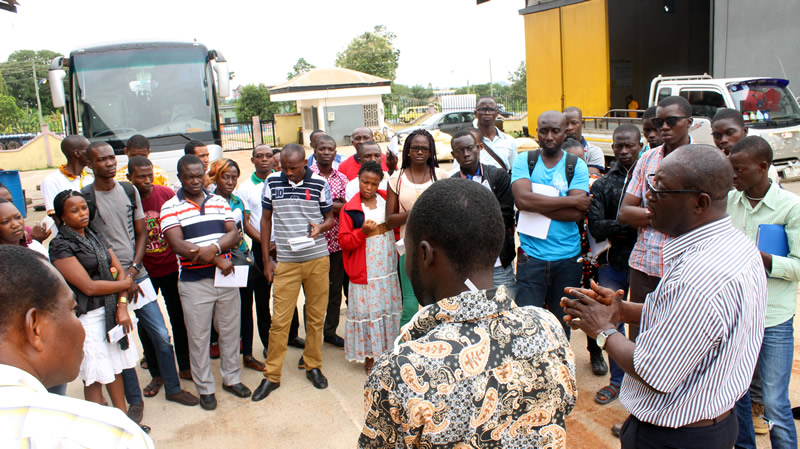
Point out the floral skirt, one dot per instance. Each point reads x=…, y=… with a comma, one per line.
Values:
x=103, y=360
x=374, y=308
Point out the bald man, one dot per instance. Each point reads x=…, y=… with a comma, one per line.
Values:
x=548, y=263
x=352, y=165
x=70, y=176
x=701, y=328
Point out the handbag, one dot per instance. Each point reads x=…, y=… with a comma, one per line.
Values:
x=239, y=257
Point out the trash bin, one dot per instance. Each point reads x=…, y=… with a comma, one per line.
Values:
x=10, y=179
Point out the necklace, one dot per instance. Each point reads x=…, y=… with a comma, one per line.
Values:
x=754, y=199
x=417, y=190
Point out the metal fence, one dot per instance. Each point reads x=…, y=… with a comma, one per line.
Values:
x=407, y=110
x=240, y=135
x=268, y=132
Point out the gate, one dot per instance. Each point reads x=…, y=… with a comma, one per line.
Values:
x=237, y=136
x=268, y=132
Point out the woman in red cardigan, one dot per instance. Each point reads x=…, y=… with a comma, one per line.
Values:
x=375, y=303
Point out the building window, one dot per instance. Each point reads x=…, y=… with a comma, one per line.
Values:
x=371, y=116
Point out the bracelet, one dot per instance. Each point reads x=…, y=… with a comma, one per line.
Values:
x=123, y=300
x=219, y=249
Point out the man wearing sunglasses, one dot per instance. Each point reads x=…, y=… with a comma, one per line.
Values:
x=701, y=328
x=672, y=121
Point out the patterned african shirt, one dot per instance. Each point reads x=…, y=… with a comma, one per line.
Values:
x=338, y=184
x=473, y=371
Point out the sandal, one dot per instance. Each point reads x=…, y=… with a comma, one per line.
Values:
x=606, y=394
x=153, y=387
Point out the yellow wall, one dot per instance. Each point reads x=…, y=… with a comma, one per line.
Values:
x=566, y=54
x=33, y=155
x=286, y=128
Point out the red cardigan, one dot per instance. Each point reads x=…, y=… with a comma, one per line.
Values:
x=352, y=240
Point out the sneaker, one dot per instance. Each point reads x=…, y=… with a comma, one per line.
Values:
x=759, y=423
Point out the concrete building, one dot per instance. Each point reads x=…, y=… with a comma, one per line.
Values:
x=335, y=100
x=593, y=53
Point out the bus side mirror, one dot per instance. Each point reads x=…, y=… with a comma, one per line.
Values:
x=55, y=77
x=223, y=79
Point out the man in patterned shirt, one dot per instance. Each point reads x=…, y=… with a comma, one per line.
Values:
x=471, y=369
x=324, y=156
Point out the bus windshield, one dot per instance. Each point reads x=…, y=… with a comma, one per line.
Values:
x=149, y=91
x=765, y=101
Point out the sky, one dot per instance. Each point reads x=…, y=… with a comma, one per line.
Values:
x=448, y=43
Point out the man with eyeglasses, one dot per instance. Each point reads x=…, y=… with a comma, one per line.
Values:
x=673, y=119
x=499, y=149
x=467, y=152
x=701, y=328
x=592, y=155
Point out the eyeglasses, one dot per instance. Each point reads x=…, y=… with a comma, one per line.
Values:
x=657, y=192
x=670, y=121
x=463, y=149
x=419, y=149
x=487, y=110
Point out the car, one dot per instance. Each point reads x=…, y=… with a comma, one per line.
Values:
x=412, y=113
x=449, y=122
x=501, y=111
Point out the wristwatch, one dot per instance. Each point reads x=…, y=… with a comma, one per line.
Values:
x=602, y=337
x=137, y=267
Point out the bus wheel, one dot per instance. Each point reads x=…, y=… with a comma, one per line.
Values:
x=13, y=145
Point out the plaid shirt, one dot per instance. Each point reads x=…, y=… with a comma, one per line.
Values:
x=338, y=184
x=646, y=254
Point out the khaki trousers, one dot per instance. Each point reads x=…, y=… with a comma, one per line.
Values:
x=312, y=275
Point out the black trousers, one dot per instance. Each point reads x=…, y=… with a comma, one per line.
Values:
x=336, y=277
x=636, y=434
x=168, y=286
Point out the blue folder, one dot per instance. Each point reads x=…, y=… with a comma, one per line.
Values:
x=772, y=239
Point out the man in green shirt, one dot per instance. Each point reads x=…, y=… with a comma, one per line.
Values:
x=758, y=201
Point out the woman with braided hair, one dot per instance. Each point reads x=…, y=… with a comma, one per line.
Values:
x=419, y=170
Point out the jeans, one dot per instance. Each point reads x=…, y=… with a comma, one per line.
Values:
x=130, y=382
x=168, y=286
x=775, y=366
x=541, y=283
x=505, y=276
x=612, y=278
x=152, y=321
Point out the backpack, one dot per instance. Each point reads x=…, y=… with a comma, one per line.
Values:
x=569, y=166
x=89, y=193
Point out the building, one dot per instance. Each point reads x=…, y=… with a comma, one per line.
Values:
x=335, y=100
x=593, y=53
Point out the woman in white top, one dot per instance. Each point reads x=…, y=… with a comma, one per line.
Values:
x=419, y=170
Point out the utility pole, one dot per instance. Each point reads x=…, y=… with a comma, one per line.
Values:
x=491, y=83
x=36, y=86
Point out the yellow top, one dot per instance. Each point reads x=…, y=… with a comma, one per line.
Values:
x=159, y=175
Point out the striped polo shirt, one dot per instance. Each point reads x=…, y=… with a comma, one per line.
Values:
x=201, y=224
x=701, y=329
x=293, y=207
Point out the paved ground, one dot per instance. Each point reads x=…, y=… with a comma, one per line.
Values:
x=299, y=416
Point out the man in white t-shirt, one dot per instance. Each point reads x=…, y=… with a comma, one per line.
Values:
x=70, y=176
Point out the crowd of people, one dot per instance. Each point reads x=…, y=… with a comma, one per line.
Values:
x=464, y=336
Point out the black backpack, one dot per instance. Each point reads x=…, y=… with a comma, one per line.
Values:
x=89, y=193
x=569, y=166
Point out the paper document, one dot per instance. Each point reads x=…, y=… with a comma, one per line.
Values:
x=117, y=332
x=237, y=278
x=596, y=247
x=147, y=296
x=535, y=224
x=298, y=243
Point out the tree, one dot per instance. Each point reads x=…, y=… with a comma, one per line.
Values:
x=495, y=89
x=3, y=87
x=18, y=74
x=420, y=93
x=519, y=82
x=10, y=114
x=254, y=101
x=300, y=67
x=372, y=53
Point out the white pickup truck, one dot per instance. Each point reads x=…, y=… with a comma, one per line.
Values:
x=768, y=107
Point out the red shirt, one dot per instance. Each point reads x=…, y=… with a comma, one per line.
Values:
x=158, y=257
x=350, y=167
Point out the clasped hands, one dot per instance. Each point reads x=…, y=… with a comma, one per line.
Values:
x=593, y=310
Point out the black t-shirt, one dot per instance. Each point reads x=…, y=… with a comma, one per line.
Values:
x=62, y=247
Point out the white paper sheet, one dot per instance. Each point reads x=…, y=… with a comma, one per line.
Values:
x=298, y=243
x=147, y=296
x=535, y=224
x=117, y=332
x=596, y=247
x=237, y=278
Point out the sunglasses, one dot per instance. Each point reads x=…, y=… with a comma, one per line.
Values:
x=670, y=121
x=657, y=192
x=487, y=110
x=418, y=149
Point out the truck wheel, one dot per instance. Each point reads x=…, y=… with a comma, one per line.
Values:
x=13, y=145
x=2, y=146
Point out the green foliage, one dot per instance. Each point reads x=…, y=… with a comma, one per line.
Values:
x=519, y=82
x=484, y=89
x=372, y=53
x=420, y=93
x=18, y=74
x=254, y=101
x=300, y=67
x=10, y=114
x=3, y=87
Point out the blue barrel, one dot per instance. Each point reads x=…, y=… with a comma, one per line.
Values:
x=10, y=179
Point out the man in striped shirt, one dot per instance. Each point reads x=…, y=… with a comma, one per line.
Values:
x=199, y=227
x=701, y=328
x=41, y=345
x=299, y=204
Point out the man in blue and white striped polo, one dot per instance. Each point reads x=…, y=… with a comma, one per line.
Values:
x=701, y=328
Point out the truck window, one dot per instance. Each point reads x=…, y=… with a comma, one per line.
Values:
x=663, y=93
x=769, y=98
x=704, y=102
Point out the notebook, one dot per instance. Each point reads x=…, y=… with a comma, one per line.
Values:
x=771, y=239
